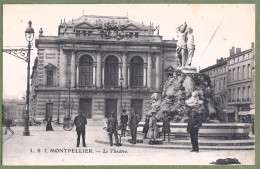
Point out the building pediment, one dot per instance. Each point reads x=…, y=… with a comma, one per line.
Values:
x=84, y=25
x=50, y=66
x=131, y=26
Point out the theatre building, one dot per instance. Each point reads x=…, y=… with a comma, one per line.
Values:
x=97, y=60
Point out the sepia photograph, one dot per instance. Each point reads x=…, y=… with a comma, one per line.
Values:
x=128, y=84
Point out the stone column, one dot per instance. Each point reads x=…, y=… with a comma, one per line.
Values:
x=149, y=71
x=119, y=74
x=128, y=76
x=77, y=81
x=144, y=81
x=94, y=75
x=124, y=70
x=63, y=66
x=99, y=69
x=103, y=75
x=157, y=64
x=73, y=67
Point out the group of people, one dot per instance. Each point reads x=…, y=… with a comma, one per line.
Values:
x=150, y=128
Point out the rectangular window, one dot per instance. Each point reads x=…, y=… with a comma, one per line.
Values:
x=49, y=77
x=136, y=34
x=224, y=83
x=229, y=75
x=84, y=33
x=249, y=93
x=248, y=71
x=238, y=73
x=243, y=72
x=234, y=74
x=130, y=34
x=89, y=33
x=77, y=32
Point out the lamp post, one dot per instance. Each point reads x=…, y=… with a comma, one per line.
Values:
x=29, y=35
x=121, y=88
x=24, y=54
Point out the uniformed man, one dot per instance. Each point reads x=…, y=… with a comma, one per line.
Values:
x=112, y=127
x=80, y=121
x=166, y=125
x=133, y=123
x=193, y=128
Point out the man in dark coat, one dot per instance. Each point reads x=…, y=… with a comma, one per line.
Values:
x=166, y=125
x=193, y=128
x=133, y=123
x=112, y=127
x=123, y=121
x=8, y=123
x=80, y=121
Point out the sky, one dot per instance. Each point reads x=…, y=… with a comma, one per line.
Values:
x=216, y=28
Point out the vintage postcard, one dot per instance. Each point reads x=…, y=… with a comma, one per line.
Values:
x=128, y=84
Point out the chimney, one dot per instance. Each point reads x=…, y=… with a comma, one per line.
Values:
x=232, y=51
x=238, y=50
x=252, y=45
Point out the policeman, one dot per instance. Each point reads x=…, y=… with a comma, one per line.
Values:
x=80, y=121
x=112, y=127
x=193, y=128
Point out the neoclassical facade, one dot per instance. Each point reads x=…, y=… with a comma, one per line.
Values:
x=101, y=63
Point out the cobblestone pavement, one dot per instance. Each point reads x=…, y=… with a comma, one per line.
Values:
x=58, y=147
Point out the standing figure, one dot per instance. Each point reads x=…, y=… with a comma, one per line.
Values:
x=8, y=123
x=123, y=121
x=193, y=128
x=133, y=123
x=153, y=129
x=146, y=125
x=112, y=127
x=182, y=44
x=190, y=46
x=80, y=122
x=49, y=126
x=166, y=125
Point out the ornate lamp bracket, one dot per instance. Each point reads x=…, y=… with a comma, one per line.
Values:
x=19, y=53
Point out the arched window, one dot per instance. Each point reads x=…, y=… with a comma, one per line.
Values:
x=136, y=72
x=111, y=71
x=86, y=71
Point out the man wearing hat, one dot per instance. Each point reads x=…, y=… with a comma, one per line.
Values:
x=193, y=128
x=112, y=126
x=153, y=128
x=123, y=121
x=80, y=121
x=133, y=123
x=166, y=125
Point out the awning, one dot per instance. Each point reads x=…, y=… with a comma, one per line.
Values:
x=243, y=113
x=252, y=112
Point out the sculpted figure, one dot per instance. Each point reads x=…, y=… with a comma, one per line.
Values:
x=190, y=46
x=182, y=44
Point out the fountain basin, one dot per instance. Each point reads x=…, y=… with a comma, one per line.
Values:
x=208, y=130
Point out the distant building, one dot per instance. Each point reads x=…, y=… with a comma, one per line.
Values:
x=93, y=53
x=14, y=109
x=233, y=80
x=241, y=80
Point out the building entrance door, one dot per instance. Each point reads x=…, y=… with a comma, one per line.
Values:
x=49, y=109
x=137, y=104
x=86, y=107
x=111, y=105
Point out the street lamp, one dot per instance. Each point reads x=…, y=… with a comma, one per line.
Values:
x=29, y=35
x=121, y=88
